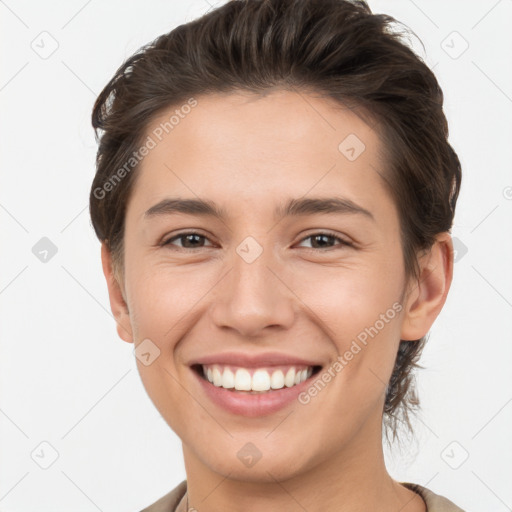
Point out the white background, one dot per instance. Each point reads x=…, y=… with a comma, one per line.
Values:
x=67, y=379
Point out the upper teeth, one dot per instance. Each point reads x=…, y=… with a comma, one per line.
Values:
x=260, y=380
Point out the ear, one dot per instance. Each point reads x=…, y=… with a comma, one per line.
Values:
x=117, y=300
x=426, y=296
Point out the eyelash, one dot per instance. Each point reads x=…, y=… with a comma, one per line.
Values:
x=344, y=243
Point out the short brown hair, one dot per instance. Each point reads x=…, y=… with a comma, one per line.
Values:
x=336, y=48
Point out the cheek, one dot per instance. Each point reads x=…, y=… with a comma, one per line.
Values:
x=164, y=300
x=351, y=297
x=360, y=312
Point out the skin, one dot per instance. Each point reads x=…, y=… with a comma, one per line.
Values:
x=248, y=154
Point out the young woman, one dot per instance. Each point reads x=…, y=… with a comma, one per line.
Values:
x=274, y=194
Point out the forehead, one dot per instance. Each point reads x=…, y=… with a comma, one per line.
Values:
x=277, y=120
x=242, y=147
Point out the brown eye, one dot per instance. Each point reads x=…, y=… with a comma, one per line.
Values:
x=187, y=240
x=325, y=240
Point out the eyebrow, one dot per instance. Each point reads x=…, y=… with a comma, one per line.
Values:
x=292, y=208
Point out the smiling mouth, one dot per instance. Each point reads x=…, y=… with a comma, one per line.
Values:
x=255, y=380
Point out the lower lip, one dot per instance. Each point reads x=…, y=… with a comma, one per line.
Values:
x=252, y=405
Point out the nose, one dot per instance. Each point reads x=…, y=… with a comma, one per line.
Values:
x=253, y=297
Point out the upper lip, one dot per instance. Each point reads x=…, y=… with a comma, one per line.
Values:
x=254, y=360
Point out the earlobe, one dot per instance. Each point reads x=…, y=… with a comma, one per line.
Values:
x=427, y=296
x=117, y=301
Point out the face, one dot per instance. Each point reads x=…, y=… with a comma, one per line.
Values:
x=305, y=286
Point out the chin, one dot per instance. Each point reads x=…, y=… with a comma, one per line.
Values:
x=266, y=469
